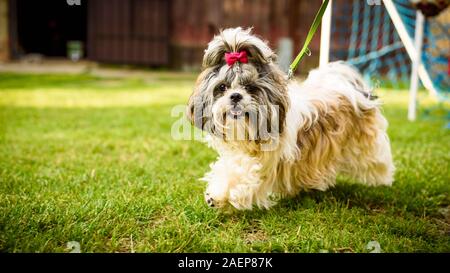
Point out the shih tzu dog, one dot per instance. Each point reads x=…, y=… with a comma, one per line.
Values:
x=276, y=137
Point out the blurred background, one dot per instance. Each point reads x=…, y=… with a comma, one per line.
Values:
x=151, y=33
x=172, y=34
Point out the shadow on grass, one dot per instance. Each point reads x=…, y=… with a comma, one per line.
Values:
x=395, y=200
x=387, y=210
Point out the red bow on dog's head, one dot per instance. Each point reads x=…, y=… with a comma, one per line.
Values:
x=232, y=57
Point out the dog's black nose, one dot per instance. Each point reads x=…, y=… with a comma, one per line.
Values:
x=236, y=97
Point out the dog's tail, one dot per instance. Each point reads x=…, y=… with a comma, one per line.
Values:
x=341, y=76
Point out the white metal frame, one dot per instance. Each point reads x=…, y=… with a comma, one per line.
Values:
x=413, y=48
x=325, y=33
x=416, y=63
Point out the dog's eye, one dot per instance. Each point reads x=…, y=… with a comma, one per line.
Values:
x=222, y=87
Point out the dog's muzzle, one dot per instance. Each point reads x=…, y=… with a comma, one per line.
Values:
x=236, y=111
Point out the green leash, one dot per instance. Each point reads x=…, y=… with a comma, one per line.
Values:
x=312, y=31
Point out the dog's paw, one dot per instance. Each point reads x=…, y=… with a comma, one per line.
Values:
x=214, y=202
x=209, y=200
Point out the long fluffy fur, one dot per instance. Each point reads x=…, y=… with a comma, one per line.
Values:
x=328, y=125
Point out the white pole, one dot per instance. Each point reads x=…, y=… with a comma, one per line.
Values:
x=418, y=38
x=409, y=45
x=325, y=33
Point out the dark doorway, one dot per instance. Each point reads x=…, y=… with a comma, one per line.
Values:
x=45, y=27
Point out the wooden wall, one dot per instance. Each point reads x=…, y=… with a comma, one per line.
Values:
x=175, y=33
x=4, y=33
x=193, y=24
x=131, y=32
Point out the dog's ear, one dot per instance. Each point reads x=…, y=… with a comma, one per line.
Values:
x=235, y=40
x=198, y=110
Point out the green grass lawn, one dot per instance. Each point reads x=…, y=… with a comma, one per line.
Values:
x=92, y=160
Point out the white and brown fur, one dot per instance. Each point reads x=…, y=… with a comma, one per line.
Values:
x=328, y=125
